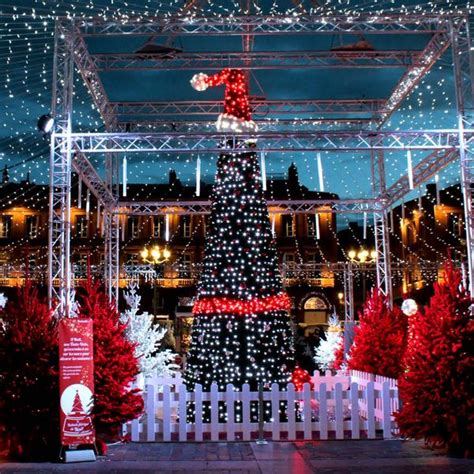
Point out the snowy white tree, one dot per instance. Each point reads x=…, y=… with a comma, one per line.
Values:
x=3, y=300
x=325, y=353
x=141, y=330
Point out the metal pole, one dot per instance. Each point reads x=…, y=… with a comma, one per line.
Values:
x=59, y=265
x=463, y=70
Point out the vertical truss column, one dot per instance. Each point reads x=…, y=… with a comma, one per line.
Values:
x=348, y=293
x=382, y=238
x=463, y=74
x=112, y=231
x=59, y=261
x=111, y=248
x=348, y=308
x=382, y=247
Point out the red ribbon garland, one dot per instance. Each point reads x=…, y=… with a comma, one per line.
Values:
x=224, y=305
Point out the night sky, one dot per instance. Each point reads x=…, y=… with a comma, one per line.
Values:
x=26, y=45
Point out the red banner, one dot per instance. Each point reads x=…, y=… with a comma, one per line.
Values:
x=76, y=380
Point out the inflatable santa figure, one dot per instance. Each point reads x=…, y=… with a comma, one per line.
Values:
x=237, y=117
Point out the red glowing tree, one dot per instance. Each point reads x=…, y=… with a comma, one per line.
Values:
x=29, y=376
x=380, y=339
x=437, y=388
x=115, y=365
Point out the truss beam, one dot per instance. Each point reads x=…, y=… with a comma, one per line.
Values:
x=438, y=44
x=422, y=172
x=93, y=181
x=268, y=25
x=209, y=61
x=203, y=126
x=352, y=206
x=91, y=78
x=260, y=108
x=271, y=141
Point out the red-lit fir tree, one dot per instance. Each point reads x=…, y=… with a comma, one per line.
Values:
x=380, y=339
x=115, y=365
x=338, y=362
x=437, y=389
x=29, y=393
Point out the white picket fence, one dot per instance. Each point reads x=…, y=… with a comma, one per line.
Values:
x=344, y=405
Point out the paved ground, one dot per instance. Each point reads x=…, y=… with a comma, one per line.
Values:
x=344, y=457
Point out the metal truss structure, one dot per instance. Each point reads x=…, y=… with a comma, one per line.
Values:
x=317, y=140
x=208, y=61
x=126, y=123
x=269, y=25
x=354, y=206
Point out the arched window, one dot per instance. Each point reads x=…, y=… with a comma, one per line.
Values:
x=315, y=312
x=315, y=303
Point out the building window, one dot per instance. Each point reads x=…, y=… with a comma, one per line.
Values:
x=315, y=302
x=132, y=259
x=311, y=223
x=288, y=225
x=80, y=269
x=185, y=266
x=455, y=224
x=32, y=227
x=185, y=225
x=411, y=234
x=159, y=227
x=133, y=227
x=205, y=224
x=5, y=227
x=81, y=227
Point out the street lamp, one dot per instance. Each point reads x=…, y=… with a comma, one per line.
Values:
x=156, y=256
x=362, y=255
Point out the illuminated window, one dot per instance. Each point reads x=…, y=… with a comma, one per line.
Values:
x=311, y=223
x=411, y=234
x=315, y=302
x=133, y=227
x=159, y=227
x=185, y=266
x=288, y=225
x=455, y=224
x=32, y=227
x=5, y=227
x=185, y=225
x=81, y=227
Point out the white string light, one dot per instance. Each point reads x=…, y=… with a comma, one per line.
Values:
x=320, y=172
x=198, y=176
x=263, y=169
x=124, y=181
x=410, y=170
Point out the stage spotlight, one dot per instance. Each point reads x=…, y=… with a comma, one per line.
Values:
x=45, y=124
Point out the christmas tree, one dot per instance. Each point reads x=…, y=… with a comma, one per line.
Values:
x=115, y=365
x=437, y=388
x=147, y=338
x=29, y=392
x=380, y=339
x=326, y=351
x=241, y=330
